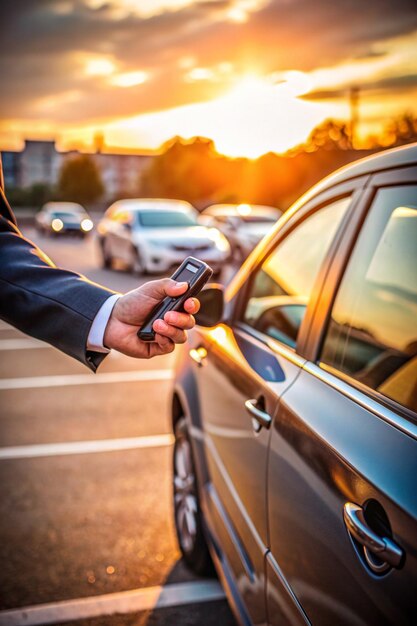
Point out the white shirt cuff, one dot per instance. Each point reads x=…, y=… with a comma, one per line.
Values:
x=98, y=327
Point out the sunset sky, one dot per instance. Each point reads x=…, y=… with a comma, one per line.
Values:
x=254, y=75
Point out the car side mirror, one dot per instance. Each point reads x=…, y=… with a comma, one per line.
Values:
x=212, y=305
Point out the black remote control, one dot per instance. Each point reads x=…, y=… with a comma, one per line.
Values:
x=192, y=271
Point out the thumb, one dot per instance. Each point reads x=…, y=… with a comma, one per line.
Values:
x=158, y=289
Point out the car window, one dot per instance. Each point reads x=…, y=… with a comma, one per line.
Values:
x=165, y=219
x=65, y=215
x=372, y=335
x=281, y=289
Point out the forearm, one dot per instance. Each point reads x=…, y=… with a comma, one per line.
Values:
x=51, y=304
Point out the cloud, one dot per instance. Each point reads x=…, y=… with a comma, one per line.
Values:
x=42, y=48
x=405, y=82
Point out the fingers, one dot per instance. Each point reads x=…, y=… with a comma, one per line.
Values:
x=158, y=289
x=184, y=321
x=177, y=335
x=192, y=305
x=162, y=345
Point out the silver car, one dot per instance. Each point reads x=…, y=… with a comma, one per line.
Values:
x=59, y=218
x=154, y=235
x=244, y=225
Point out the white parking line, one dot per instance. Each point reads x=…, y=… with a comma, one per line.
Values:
x=22, y=344
x=84, y=447
x=35, y=382
x=114, y=603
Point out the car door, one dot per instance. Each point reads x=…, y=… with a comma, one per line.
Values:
x=243, y=372
x=342, y=503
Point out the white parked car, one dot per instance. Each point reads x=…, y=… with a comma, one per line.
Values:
x=59, y=218
x=244, y=225
x=154, y=235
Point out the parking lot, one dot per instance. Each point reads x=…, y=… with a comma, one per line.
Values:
x=85, y=484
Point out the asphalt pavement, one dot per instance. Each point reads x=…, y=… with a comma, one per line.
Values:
x=86, y=520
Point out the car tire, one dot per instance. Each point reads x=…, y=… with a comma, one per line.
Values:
x=106, y=258
x=187, y=511
x=137, y=265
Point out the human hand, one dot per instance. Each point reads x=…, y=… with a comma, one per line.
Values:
x=130, y=312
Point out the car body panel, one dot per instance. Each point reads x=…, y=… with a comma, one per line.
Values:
x=238, y=367
x=331, y=442
x=326, y=450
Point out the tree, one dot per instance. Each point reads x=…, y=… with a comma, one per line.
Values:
x=329, y=135
x=80, y=180
x=400, y=131
x=191, y=170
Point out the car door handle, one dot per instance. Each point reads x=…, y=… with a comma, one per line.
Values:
x=383, y=547
x=262, y=417
x=198, y=355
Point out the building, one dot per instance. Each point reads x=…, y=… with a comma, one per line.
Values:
x=121, y=173
x=11, y=168
x=41, y=162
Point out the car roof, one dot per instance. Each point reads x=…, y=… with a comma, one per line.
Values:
x=383, y=161
x=233, y=209
x=63, y=206
x=386, y=160
x=152, y=204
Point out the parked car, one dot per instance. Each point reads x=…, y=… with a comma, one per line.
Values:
x=59, y=218
x=295, y=411
x=153, y=235
x=244, y=225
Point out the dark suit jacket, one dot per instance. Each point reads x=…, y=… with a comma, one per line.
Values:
x=48, y=303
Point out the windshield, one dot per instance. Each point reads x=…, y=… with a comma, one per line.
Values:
x=63, y=215
x=165, y=219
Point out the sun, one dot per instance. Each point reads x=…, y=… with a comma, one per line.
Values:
x=261, y=115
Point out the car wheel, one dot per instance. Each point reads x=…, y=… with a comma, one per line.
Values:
x=137, y=265
x=188, y=520
x=106, y=258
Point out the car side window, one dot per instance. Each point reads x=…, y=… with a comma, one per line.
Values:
x=372, y=334
x=281, y=289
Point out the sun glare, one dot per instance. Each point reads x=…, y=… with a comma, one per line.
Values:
x=297, y=83
x=258, y=115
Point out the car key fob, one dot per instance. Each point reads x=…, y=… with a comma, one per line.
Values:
x=192, y=271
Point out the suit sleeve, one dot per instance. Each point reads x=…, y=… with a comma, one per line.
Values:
x=51, y=304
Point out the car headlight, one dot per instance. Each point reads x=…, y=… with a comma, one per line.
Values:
x=57, y=224
x=86, y=225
